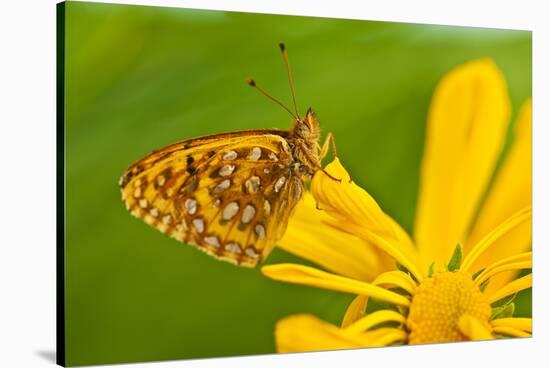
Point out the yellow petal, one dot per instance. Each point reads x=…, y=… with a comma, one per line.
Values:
x=309, y=235
x=520, y=257
x=516, y=266
x=511, y=191
x=513, y=287
x=386, y=336
x=500, y=232
x=376, y=318
x=473, y=329
x=305, y=332
x=465, y=133
x=523, y=324
x=390, y=279
x=357, y=212
x=355, y=310
x=396, y=279
x=310, y=276
x=393, y=250
x=510, y=331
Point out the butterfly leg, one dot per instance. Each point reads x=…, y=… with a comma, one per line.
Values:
x=324, y=149
x=330, y=176
x=315, y=160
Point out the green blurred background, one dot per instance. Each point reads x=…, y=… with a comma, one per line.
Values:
x=139, y=78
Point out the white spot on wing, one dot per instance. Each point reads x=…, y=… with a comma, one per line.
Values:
x=222, y=186
x=231, y=155
x=255, y=154
x=233, y=248
x=253, y=184
x=198, y=224
x=227, y=170
x=252, y=253
x=260, y=231
x=212, y=240
x=230, y=210
x=248, y=214
x=191, y=206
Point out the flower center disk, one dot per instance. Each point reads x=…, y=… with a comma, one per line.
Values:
x=438, y=304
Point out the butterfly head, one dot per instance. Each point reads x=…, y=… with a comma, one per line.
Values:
x=307, y=128
x=312, y=121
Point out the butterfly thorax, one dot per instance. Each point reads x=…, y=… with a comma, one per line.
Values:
x=304, y=144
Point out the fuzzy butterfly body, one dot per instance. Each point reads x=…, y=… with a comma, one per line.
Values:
x=231, y=194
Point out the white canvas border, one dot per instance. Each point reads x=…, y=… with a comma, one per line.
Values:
x=27, y=136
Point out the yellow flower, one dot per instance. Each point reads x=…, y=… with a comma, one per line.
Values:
x=472, y=233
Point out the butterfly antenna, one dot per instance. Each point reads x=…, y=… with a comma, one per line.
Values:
x=289, y=72
x=252, y=83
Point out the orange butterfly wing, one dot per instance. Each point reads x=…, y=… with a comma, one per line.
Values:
x=230, y=194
